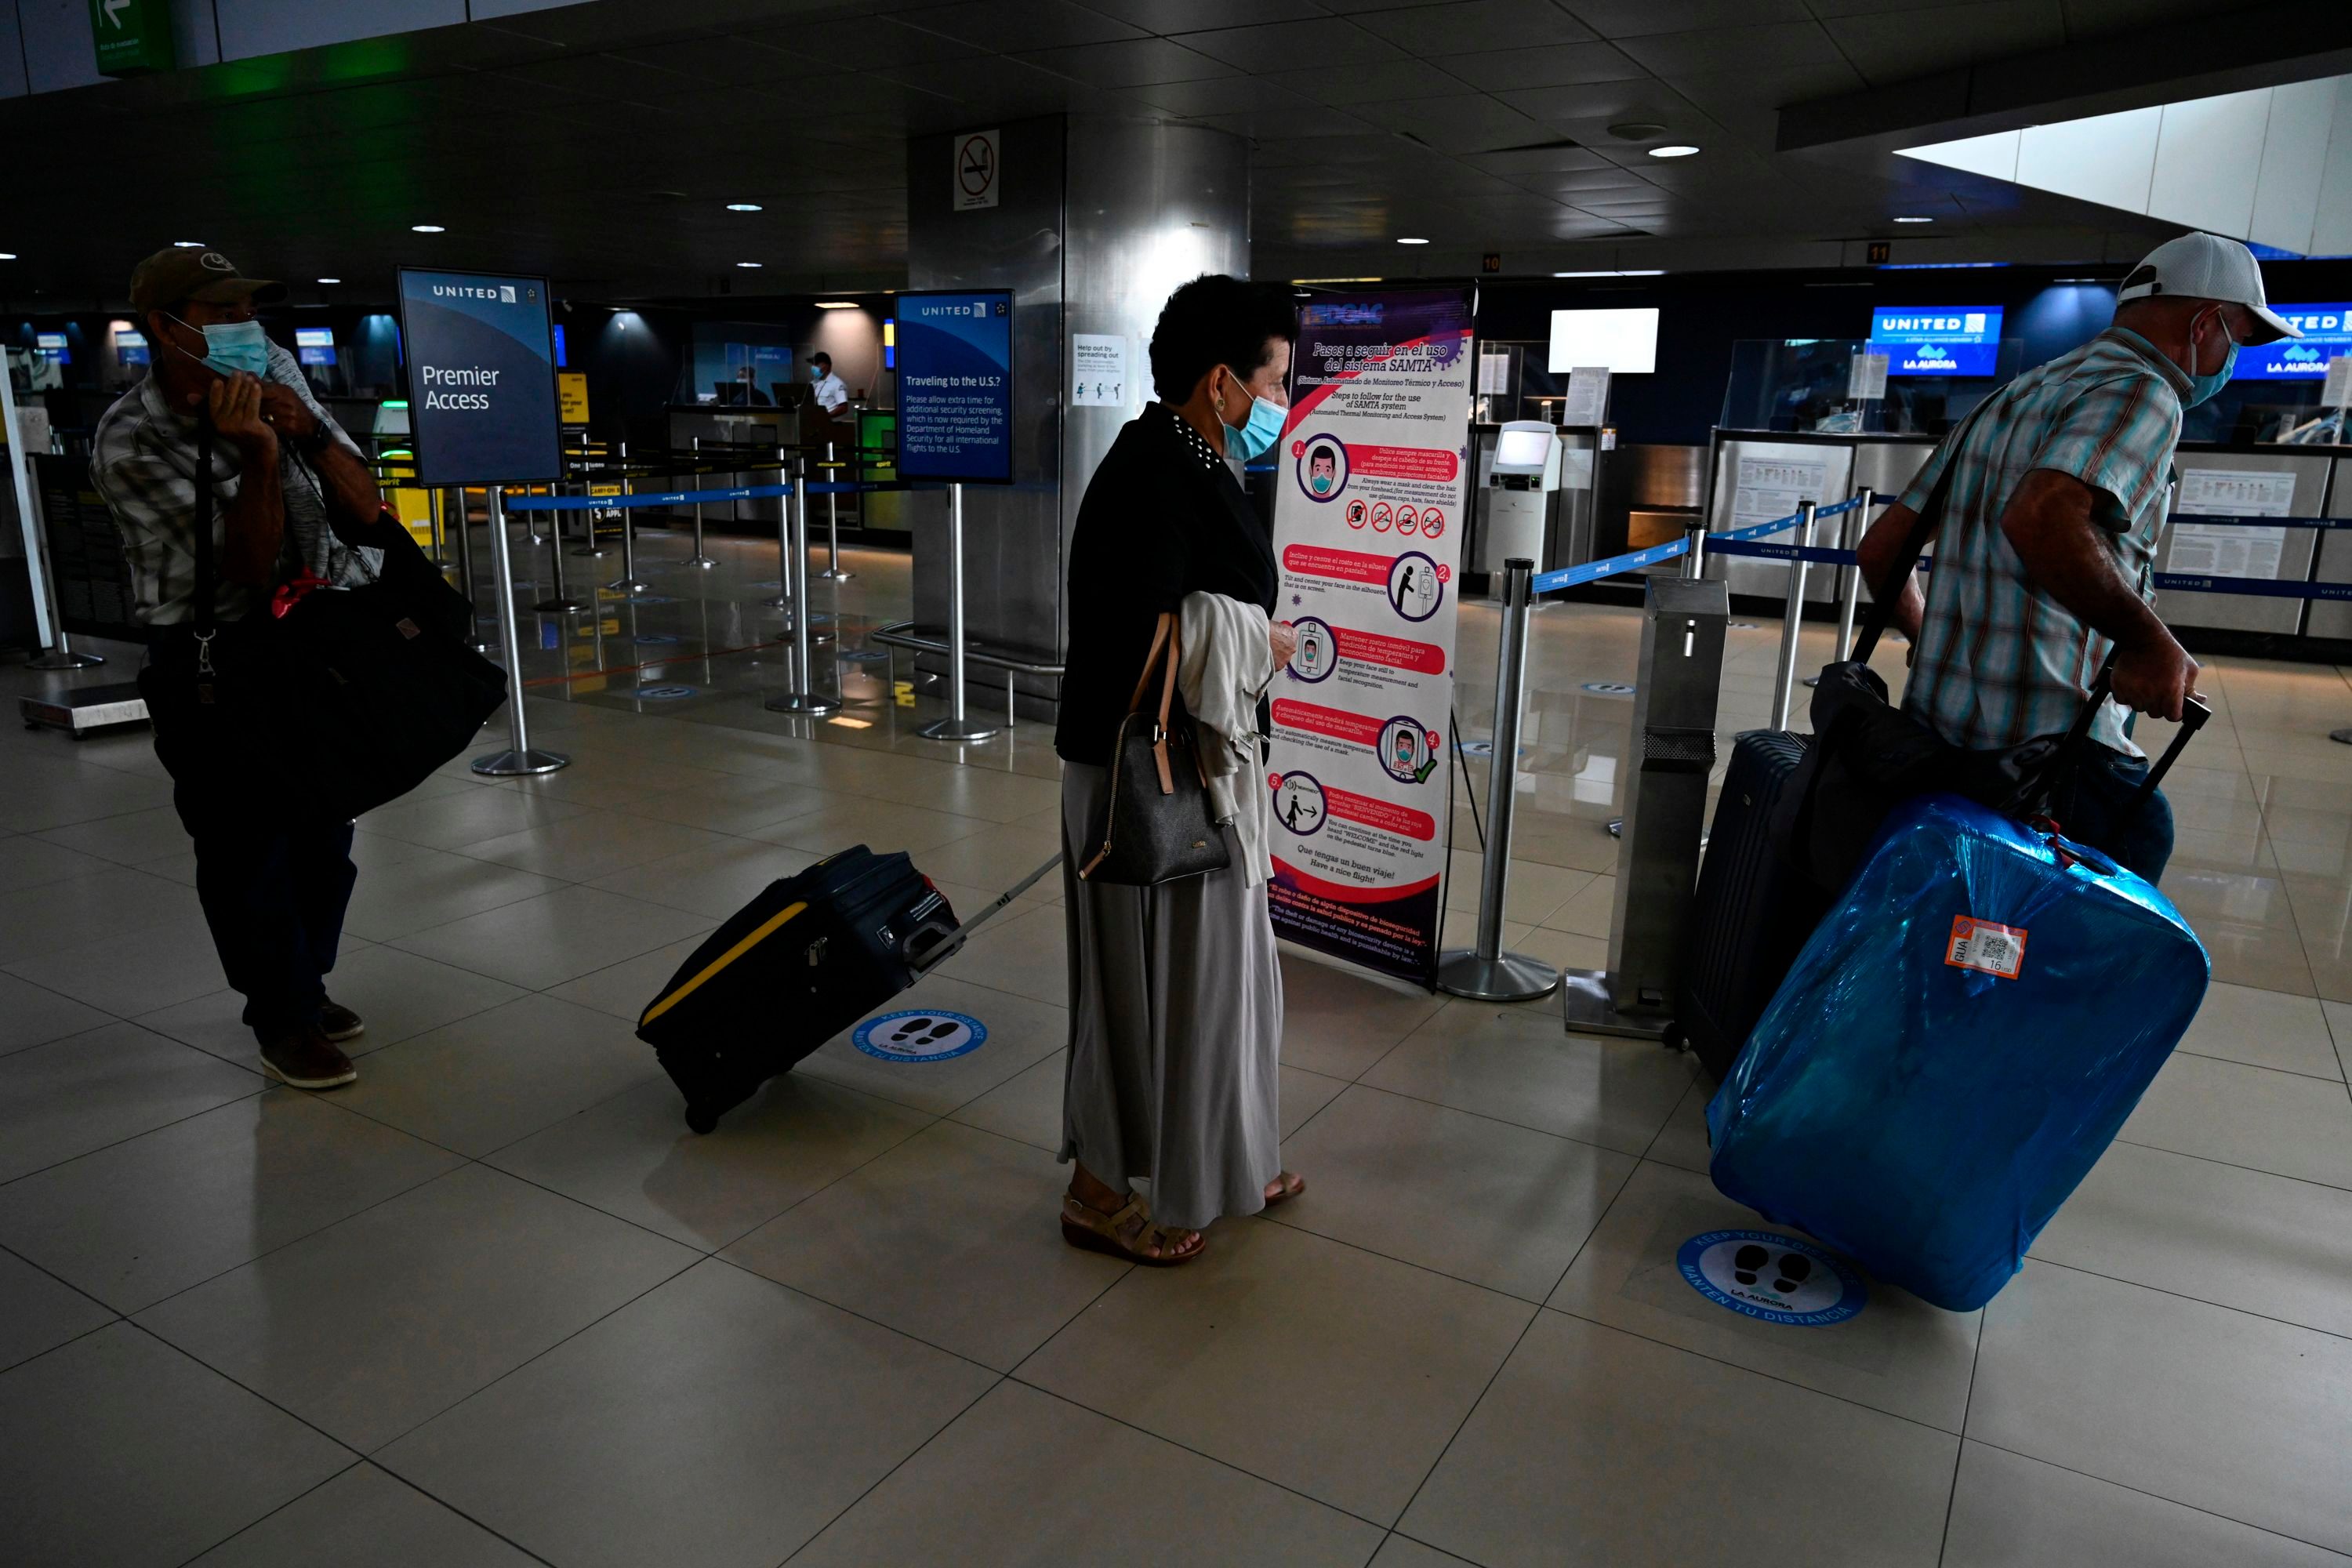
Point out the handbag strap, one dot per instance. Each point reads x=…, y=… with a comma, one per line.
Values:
x=1167, y=636
x=1886, y=597
x=206, y=584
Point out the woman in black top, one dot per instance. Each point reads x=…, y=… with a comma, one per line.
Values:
x=1175, y=994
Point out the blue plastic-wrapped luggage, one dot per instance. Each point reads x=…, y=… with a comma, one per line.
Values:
x=1956, y=1044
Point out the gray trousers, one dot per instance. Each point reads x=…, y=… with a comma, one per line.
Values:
x=1175, y=1030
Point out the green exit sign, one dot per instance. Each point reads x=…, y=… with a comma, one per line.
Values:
x=131, y=35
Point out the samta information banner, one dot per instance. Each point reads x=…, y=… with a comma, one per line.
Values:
x=481, y=378
x=1373, y=477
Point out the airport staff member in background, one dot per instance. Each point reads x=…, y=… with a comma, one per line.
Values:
x=746, y=391
x=829, y=394
x=273, y=882
x=2046, y=556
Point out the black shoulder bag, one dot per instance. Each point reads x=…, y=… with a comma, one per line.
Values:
x=1155, y=824
x=1867, y=755
x=348, y=700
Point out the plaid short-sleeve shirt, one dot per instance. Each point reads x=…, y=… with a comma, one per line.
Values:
x=1999, y=660
x=143, y=462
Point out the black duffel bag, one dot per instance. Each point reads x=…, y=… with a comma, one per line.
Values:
x=348, y=700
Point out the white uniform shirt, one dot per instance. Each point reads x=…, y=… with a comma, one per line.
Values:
x=830, y=394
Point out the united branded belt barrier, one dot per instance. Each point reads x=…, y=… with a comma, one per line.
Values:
x=643, y=498
x=1594, y=571
x=2175, y=582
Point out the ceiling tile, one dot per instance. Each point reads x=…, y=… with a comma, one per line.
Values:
x=1471, y=123
x=1891, y=49
x=1139, y=62
x=1634, y=18
x=868, y=44
x=1307, y=119
x=1379, y=81
x=595, y=76
x=721, y=60
x=1613, y=101
x=1192, y=15
x=1219, y=95
x=1539, y=161
x=1319, y=45
x=1763, y=47
x=1561, y=64
x=1464, y=27
x=1011, y=27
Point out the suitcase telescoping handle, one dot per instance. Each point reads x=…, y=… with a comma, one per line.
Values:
x=953, y=941
x=2193, y=714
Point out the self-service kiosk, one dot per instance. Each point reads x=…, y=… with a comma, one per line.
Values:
x=1516, y=476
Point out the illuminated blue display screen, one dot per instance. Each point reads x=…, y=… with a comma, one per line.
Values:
x=1941, y=339
x=2326, y=332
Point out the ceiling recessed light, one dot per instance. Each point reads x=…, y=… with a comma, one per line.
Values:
x=1412, y=242
x=746, y=264
x=744, y=207
x=7, y=256
x=427, y=229
x=187, y=244
x=330, y=281
x=836, y=304
x=1617, y=272
x=1672, y=150
x=1915, y=220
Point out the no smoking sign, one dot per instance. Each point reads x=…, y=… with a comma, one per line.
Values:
x=978, y=165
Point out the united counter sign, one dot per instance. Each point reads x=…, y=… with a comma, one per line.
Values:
x=131, y=35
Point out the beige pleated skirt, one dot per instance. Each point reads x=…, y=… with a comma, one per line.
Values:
x=1175, y=1030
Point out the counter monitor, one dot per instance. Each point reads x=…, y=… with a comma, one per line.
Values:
x=1938, y=340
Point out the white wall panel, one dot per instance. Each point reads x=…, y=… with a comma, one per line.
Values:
x=57, y=48
x=12, y=52
x=1994, y=155
x=2108, y=158
x=2331, y=229
x=250, y=27
x=2209, y=152
x=2294, y=161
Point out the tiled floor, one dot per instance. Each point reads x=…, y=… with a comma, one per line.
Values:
x=493, y=1305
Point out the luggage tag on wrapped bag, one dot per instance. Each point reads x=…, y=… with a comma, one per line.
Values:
x=1997, y=950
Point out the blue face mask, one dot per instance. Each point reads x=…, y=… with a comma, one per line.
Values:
x=2201, y=387
x=233, y=346
x=1259, y=435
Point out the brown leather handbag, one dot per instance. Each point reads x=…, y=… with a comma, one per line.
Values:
x=1155, y=824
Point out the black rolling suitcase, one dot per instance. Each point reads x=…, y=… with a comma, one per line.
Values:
x=795, y=966
x=1754, y=908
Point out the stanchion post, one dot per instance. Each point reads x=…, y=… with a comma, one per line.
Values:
x=519, y=758
x=561, y=601
x=465, y=573
x=701, y=558
x=1855, y=524
x=804, y=699
x=956, y=726
x=795, y=472
x=1792, y=621
x=60, y=654
x=628, y=582
x=833, y=572
x=1485, y=972
x=1695, y=551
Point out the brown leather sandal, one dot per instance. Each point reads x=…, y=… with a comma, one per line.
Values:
x=1128, y=1233
x=1288, y=1185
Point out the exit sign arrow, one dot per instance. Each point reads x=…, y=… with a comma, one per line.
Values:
x=114, y=9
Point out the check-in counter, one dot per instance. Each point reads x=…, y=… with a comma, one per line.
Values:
x=2237, y=481
x=1754, y=477
x=2332, y=617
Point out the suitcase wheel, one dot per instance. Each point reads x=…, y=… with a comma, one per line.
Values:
x=700, y=1119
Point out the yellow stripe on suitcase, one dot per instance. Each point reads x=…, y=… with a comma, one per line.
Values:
x=767, y=928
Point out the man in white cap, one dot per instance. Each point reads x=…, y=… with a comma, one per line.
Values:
x=2045, y=552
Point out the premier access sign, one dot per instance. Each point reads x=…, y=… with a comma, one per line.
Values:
x=481, y=378
x=132, y=36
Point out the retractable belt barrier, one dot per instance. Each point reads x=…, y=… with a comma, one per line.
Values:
x=1730, y=542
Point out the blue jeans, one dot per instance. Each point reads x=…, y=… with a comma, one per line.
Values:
x=2097, y=809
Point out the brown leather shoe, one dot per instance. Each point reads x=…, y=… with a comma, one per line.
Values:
x=302, y=1057
x=340, y=1023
